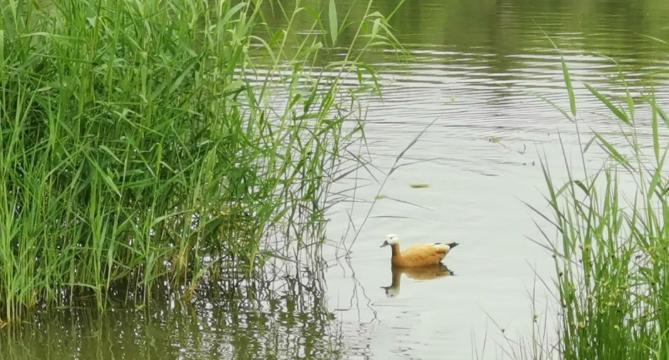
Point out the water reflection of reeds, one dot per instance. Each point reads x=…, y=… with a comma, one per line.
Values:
x=278, y=313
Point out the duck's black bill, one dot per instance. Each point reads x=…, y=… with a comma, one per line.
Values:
x=385, y=243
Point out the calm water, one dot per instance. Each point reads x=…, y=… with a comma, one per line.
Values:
x=476, y=68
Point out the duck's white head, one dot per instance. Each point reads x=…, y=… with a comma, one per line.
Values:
x=391, y=239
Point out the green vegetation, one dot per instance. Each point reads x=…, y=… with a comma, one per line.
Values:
x=255, y=319
x=140, y=138
x=612, y=253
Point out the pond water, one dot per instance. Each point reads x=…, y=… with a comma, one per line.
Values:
x=476, y=72
x=477, y=69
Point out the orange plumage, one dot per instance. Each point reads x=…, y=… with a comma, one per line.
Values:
x=417, y=255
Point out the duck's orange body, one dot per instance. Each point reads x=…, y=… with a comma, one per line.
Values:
x=417, y=255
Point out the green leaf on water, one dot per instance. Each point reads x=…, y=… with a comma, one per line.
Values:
x=333, y=21
x=419, y=186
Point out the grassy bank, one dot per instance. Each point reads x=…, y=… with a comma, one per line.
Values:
x=140, y=138
x=612, y=248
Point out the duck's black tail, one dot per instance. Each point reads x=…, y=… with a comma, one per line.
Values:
x=452, y=245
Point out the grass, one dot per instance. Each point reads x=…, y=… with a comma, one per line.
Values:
x=140, y=137
x=612, y=248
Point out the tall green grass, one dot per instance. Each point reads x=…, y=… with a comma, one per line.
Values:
x=140, y=137
x=612, y=248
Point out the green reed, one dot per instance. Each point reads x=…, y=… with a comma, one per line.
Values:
x=612, y=248
x=140, y=137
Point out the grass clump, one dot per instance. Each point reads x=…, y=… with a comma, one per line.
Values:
x=140, y=137
x=612, y=252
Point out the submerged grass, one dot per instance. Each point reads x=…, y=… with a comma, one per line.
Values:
x=139, y=138
x=612, y=249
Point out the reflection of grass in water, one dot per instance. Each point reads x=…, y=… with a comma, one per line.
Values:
x=612, y=253
x=138, y=138
x=269, y=315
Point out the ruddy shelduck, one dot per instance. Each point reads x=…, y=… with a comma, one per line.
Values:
x=417, y=255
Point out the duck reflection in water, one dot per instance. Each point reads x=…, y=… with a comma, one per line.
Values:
x=428, y=272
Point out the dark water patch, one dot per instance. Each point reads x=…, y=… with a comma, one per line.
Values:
x=275, y=315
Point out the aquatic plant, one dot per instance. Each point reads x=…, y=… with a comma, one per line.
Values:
x=612, y=248
x=147, y=142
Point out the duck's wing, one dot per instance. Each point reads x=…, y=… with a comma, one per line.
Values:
x=422, y=249
x=442, y=246
x=420, y=255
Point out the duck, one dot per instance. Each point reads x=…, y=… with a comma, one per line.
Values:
x=429, y=272
x=417, y=255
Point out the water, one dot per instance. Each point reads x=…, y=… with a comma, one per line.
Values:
x=263, y=319
x=477, y=69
